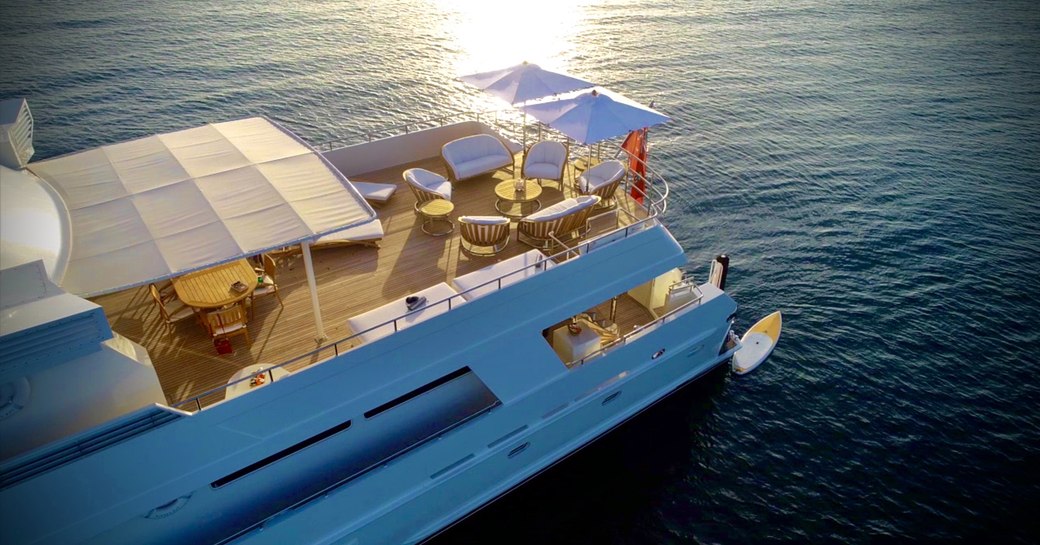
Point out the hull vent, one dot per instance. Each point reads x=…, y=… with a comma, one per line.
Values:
x=66, y=452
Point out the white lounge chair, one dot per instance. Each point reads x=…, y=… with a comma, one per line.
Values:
x=427, y=186
x=602, y=180
x=545, y=161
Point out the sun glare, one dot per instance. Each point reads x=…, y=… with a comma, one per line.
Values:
x=489, y=36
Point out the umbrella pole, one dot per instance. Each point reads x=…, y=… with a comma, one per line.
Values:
x=309, y=267
x=523, y=129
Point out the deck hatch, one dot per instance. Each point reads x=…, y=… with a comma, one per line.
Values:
x=416, y=392
x=279, y=455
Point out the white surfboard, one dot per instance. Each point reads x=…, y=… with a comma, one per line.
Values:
x=757, y=344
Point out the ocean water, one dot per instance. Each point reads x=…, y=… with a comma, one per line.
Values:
x=871, y=167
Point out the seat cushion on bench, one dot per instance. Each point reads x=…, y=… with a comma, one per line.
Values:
x=435, y=306
x=491, y=272
x=373, y=192
x=561, y=209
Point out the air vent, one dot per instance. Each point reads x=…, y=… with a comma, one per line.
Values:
x=69, y=451
x=52, y=342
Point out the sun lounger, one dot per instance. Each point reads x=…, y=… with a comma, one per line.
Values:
x=368, y=234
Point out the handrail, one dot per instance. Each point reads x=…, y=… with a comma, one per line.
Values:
x=654, y=202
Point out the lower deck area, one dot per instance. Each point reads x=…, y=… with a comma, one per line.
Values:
x=351, y=280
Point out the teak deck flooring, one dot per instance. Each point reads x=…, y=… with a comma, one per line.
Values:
x=350, y=280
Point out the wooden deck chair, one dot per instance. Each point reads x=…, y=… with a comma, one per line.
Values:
x=267, y=286
x=171, y=311
x=484, y=235
x=227, y=323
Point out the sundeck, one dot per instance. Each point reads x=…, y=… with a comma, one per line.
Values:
x=351, y=280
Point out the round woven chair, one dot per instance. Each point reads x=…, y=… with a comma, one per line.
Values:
x=602, y=180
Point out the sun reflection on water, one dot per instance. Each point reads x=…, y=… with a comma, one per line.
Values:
x=487, y=36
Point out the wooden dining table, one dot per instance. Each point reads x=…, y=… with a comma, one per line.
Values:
x=211, y=288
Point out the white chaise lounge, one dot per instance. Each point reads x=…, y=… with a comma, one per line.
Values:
x=521, y=263
x=435, y=305
x=475, y=155
x=368, y=234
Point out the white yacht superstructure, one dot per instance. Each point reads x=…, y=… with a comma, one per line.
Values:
x=368, y=439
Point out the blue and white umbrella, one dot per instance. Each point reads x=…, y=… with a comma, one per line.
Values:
x=593, y=116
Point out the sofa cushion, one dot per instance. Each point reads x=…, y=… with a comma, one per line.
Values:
x=473, y=147
x=484, y=220
x=542, y=170
x=555, y=211
x=481, y=165
x=491, y=272
x=377, y=193
x=600, y=175
x=435, y=305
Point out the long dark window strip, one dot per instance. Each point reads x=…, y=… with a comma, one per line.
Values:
x=279, y=455
x=416, y=392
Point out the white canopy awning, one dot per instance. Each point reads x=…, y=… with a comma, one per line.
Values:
x=165, y=205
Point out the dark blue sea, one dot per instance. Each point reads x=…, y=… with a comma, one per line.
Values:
x=871, y=166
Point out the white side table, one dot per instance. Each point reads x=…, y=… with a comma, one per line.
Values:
x=237, y=386
x=574, y=347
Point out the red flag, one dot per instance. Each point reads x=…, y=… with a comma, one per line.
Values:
x=635, y=145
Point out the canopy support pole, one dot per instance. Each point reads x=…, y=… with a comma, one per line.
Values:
x=309, y=267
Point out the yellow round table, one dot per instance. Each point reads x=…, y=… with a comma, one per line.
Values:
x=507, y=194
x=436, y=211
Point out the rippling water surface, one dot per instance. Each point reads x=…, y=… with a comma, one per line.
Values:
x=872, y=167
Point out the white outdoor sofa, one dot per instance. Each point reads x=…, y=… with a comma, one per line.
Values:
x=475, y=279
x=475, y=155
x=435, y=305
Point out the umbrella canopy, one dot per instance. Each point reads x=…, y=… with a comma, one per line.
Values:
x=524, y=82
x=593, y=116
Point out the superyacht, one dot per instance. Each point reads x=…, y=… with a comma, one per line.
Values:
x=453, y=309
